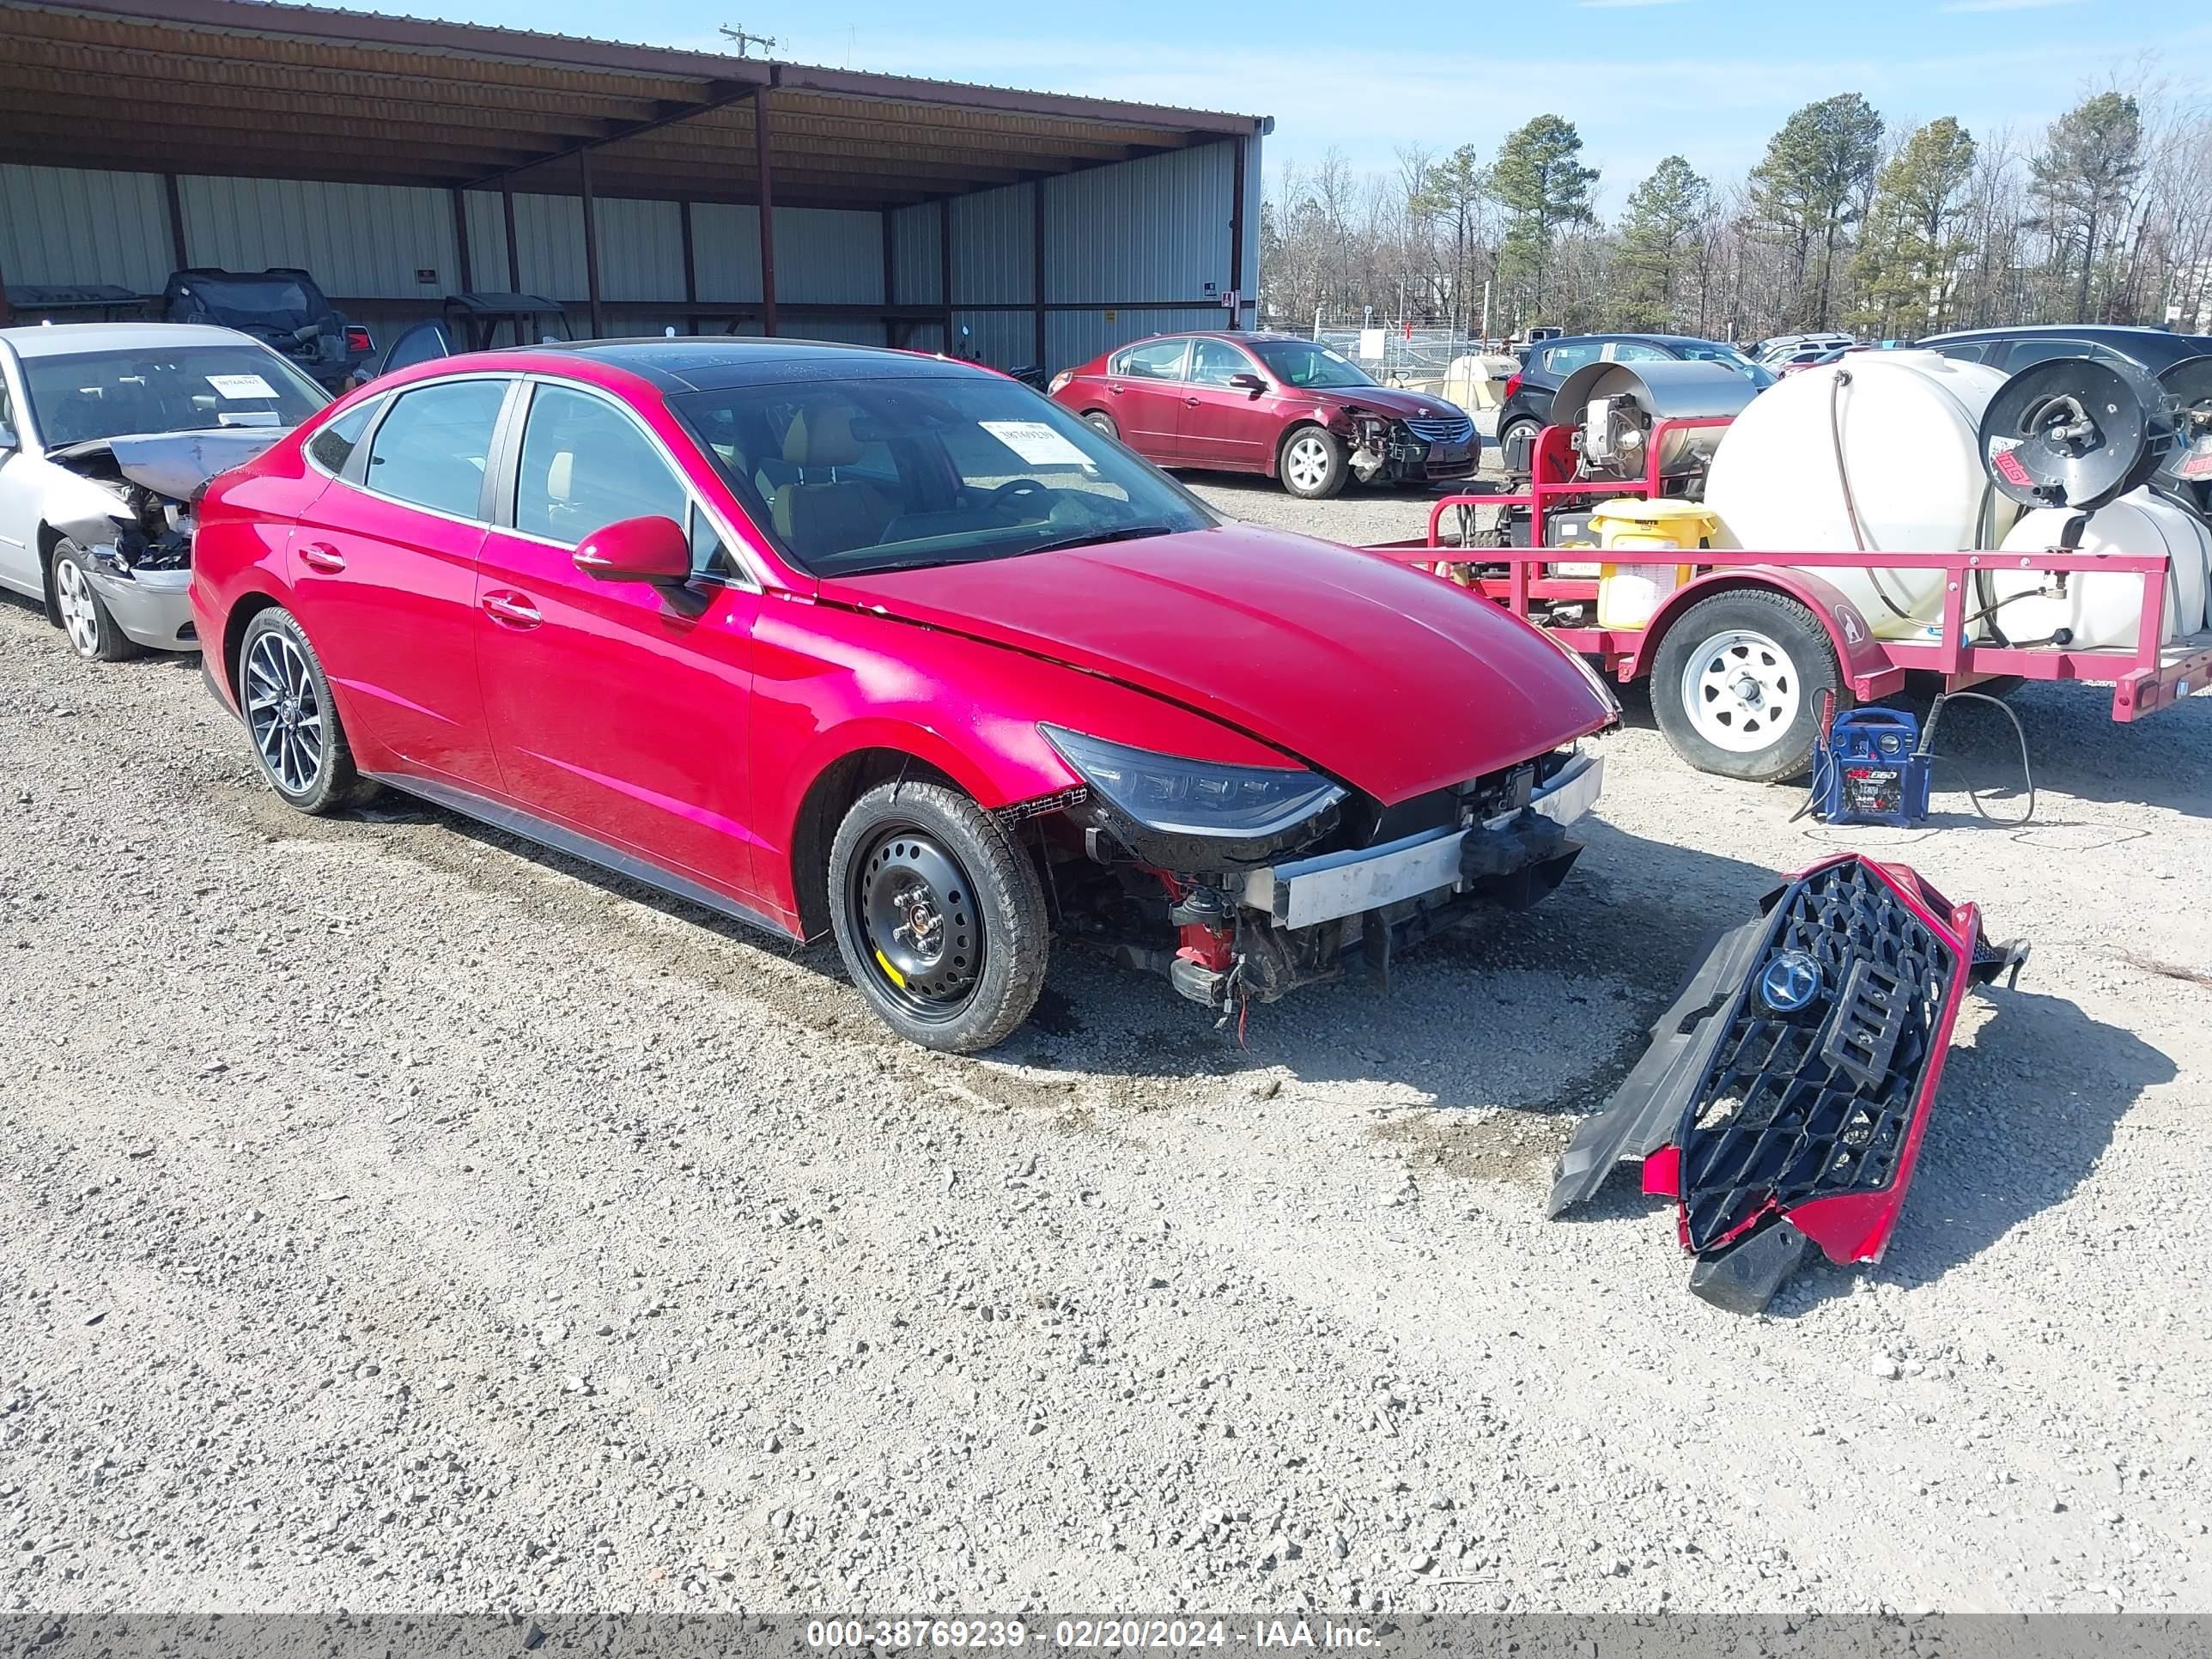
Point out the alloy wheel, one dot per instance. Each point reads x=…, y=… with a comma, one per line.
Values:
x=916, y=911
x=80, y=611
x=1306, y=461
x=283, y=713
x=1741, y=691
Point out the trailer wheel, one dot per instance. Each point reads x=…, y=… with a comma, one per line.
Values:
x=1740, y=683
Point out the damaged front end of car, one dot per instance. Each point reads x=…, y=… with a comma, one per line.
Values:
x=1386, y=449
x=135, y=523
x=1241, y=884
x=1784, y=1097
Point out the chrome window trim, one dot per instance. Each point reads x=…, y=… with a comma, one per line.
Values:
x=391, y=401
x=744, y=572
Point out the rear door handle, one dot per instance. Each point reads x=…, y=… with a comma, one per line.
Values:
x=321, y=556
x=511, y=608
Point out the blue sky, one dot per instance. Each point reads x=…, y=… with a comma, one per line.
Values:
x=1709, y=78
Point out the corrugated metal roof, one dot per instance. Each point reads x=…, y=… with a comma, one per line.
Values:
x=254, y=88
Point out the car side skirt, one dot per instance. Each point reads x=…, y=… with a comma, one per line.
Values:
x=516, y=821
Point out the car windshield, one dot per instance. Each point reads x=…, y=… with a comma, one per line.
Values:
x=850, y=477
x=1710, y=351
x=110, y=394
x=1301, y=362
x=282, y=300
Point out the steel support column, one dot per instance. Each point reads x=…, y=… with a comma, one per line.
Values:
x=690, y=264
x=1236, y=233
x=590, y=245
x=894, y=330
x=944, y=270
x=461, y=241
x=1036, y=267
x=178, y=249
x=513, y=248
x=767, y=193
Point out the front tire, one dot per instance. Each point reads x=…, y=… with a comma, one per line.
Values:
x=1099, y=421
x=298, y=737
x=1312, y=463
x=85, y=619
x=1740, y=683
x=939, y=915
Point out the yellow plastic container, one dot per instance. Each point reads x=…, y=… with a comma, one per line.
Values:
x=1628, y=594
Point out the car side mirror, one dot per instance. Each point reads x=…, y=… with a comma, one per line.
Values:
x=647, y=549
x=1251, y=383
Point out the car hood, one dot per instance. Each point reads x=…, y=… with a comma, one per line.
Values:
x=177, y=465
x=1385, y=400
x=1385, y=677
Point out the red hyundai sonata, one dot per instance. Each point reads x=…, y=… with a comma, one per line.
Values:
x=835, y=640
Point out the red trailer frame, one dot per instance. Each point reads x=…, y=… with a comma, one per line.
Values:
x=2144, y=679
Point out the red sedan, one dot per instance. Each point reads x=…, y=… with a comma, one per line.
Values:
x=1270, y=404
x=866, y=643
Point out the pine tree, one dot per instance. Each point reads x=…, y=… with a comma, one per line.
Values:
x=1451, y=197
x=2090, y=163
x=1909, y=259
x=1540, y=182
x=1807, y=188
x=1664, y=215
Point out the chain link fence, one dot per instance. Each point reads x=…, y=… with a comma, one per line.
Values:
x=1397, y=354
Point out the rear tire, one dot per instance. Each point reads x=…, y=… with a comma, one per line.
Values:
x=1740, y=683
x=939, y=916
x=85, y=619
x=1101, y=420
x=297, y=734
x=1312, y=463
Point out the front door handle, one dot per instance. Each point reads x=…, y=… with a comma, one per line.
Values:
x=321, y=556
x=511, y=608
x=1116, y=389
x=1190, y=403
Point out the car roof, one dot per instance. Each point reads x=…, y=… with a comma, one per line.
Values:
x=719, y=362
x=2119, y=337
x=69, y=339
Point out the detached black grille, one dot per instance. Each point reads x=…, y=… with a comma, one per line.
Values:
x=1455, y=429
x=1814, y=1101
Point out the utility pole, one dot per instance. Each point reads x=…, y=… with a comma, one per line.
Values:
x=746, y=41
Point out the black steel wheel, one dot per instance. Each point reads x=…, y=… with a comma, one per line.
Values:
x=915, y=907
x=938, y=914
x=297, y=735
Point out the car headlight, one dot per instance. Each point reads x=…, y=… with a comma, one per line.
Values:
x=1195, y=798
x=1061, y=379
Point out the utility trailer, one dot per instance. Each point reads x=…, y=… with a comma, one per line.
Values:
x=1743, y=656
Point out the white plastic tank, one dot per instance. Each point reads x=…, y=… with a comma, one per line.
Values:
x=1903, y=432
x=2103, y=611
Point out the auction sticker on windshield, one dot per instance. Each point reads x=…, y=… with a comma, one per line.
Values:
x=241, y=385
x=1036, y=443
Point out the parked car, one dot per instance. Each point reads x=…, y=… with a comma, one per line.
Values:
x=2012, y=350
x=1779, y=347
x=1275, y=405
x=469, y=322
x=107, y=431
x=282, y=309
x=1526, y=405
x=844, y=640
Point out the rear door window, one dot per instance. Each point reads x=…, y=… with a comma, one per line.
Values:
x=432, y=449
x=1561, y=361
x=1162, y=359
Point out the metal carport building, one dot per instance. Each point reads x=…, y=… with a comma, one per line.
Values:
x=400, y=160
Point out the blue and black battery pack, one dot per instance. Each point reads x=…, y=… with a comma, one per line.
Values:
x=1866, y=769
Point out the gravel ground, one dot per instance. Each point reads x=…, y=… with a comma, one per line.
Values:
x=397, y=1218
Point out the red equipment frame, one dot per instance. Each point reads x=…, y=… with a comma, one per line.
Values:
x=2145, y=679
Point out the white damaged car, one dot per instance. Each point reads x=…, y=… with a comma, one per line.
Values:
x=108, y=433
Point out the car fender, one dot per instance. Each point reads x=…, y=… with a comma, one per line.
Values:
x=1867, y=668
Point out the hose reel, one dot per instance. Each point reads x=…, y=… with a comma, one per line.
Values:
x=2187, y=469
x=2076, y=433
